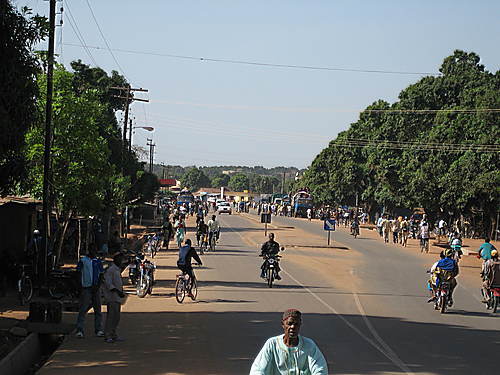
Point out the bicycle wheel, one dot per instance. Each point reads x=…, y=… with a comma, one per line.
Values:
x=180, y=290
x=194, y=289
x=25, y=289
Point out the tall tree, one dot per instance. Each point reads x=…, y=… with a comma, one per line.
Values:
x=195, y=179
x=238, y=182
x=19, y=32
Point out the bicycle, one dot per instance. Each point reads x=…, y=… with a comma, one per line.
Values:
x=204, y=244
x=183, y=284
x=24, y=284
x=212, y=240
x=424, y=245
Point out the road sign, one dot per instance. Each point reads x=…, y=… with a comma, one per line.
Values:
x=265, y=218
x=329, y=224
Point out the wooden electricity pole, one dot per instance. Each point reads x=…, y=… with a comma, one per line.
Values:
x=129, y=97
x=46, y=208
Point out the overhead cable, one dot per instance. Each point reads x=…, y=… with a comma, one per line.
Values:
x=79, y=35
x=263, y=64
x=105, y=40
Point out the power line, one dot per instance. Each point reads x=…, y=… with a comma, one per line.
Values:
x=79, y=35
x=327, y=110
x=415, y=146
x=105, y=41
x=263, y=64
x=208, y=127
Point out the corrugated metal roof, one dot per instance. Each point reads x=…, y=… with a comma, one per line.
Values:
x=19, y=200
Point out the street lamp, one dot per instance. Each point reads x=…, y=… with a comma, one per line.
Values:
x=148, y=128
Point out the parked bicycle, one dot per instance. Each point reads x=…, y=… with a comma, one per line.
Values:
x=25, y=284
x=64, y=283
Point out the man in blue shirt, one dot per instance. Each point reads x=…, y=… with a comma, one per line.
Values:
x=90, y=271
x=448, y=270
x=485, y=249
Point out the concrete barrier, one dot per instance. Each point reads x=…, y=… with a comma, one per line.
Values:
x=25, y=355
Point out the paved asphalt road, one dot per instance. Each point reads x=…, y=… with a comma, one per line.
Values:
x=365, y=308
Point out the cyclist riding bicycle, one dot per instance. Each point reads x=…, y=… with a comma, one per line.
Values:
x=270, y=248
x=202, y=231
x=187, y=252
x=213, y=229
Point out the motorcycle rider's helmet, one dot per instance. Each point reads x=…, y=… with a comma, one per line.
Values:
x=494, y=253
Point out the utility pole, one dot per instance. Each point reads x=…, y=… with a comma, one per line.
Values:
x=130, y=137
x=151, y=153
x=283, y=184
x=129, y=97
x=48, y=139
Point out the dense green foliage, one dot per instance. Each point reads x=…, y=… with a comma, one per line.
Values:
x=195, y=179
x=407, y=173
x=18, y=90
x=239, y=182
x=258, y=179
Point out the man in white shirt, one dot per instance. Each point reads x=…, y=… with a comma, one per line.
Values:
x=213, y=229
x=290, y=353
x=441, y=229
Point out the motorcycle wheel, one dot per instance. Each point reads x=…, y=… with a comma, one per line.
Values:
x=270, y=277
x=443, y=304
x=180, y=291
x=143, y=287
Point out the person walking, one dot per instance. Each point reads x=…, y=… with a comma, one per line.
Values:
x=168, y=232
x=290, y=353
x=90, y=271
x=112, y=289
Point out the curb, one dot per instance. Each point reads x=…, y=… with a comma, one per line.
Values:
x=20, y=360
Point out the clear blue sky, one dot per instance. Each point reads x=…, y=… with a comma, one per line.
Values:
x=212, y=113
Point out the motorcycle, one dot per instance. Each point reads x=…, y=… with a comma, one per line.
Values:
x=494, y=298
x=134, y=266
x=355, y=230
x=271, y=268
x=442, y=296
x=146, y=278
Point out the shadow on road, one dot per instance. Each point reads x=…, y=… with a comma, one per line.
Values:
x=261, y=285
x=226, y=343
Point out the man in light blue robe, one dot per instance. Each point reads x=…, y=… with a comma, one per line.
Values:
x=290, y=353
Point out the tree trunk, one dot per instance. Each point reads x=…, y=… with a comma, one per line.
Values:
x=60, y=243
x=79, y=247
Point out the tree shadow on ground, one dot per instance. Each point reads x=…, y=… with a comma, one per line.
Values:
x=226, y=344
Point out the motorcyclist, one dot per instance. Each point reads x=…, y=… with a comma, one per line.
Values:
x=355, y=225
x=201, y=231
x=446, y=270
x=491, y=275
x=456, y=245
x=270, y=248
x=187, y=252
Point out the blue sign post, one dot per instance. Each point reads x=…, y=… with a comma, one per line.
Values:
x=329, y=226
